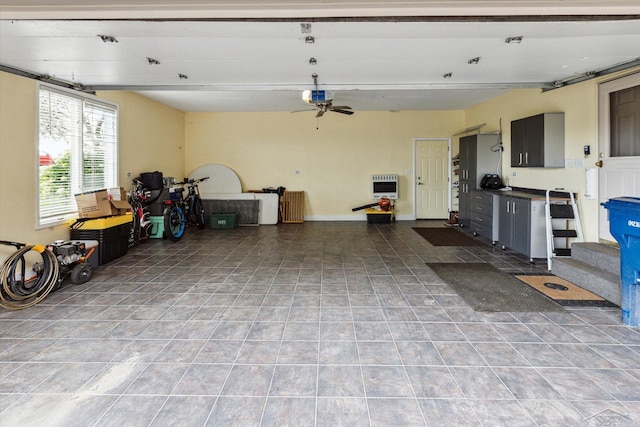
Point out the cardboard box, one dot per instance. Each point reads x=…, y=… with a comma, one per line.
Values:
x=96, y=204
x=117, y=193
x=119, y=207
x=93, y=204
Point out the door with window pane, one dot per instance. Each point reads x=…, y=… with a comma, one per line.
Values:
x=619, y=142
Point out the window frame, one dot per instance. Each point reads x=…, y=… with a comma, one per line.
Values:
x=83, y=98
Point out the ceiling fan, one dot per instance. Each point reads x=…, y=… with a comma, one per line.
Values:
x=323, y=100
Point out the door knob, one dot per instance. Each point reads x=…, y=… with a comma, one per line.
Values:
x=599, y=163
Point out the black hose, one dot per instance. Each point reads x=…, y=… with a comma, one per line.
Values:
x=19, y=293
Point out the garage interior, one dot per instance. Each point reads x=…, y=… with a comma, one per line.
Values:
x=332, y=320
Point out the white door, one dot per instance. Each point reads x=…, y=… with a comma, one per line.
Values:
x=619, y=144
x=432, y=178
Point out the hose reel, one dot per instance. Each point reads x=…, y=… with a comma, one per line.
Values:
x=19, y=291
x=28, y=275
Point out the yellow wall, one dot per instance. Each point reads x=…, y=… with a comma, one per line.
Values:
x=335, y=161
x=18, y=161
x=151, y=136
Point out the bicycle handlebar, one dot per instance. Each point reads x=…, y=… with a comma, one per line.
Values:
x=192, y=181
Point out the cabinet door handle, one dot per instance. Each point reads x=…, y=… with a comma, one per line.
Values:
x=519, y=159
x=526, y=158
x=508, y=204
x=513, y=210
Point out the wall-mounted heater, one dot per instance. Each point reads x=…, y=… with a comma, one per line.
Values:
x=384, y=186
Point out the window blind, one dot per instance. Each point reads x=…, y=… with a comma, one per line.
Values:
x=78, y=150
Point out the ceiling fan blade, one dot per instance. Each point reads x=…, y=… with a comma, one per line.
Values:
x=320, y=113
x=335, y=110
x=341, y=107
x=302, y=111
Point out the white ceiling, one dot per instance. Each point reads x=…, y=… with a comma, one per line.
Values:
x=263, y=64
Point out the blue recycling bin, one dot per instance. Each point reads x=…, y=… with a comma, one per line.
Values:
x=624, y=225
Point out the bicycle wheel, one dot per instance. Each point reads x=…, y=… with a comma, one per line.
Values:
x=174, y=222
x=198, y=213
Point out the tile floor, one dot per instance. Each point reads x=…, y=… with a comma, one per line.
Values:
x=314, y=324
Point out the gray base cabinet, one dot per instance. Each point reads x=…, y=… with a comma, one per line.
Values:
x=522, y=226
x=484, y=217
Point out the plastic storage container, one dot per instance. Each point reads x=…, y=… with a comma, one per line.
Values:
x=223, y=221
x=375, y=216
x=112, y=234
x=624, y=225
x=157, y=206
x=157, y=227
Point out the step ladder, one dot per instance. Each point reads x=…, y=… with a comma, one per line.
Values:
x=562, y=223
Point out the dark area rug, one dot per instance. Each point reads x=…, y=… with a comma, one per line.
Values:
x=447, y=237
x=564, y=292
x=485, y=288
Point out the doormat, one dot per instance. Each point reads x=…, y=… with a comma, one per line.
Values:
x=485, y=288
x=447, y=237
x=564, y=292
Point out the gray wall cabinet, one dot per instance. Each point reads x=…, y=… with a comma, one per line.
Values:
x=538, y=141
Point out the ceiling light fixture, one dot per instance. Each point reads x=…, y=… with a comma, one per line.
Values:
x=305, y=28
x=313, y=61
x=108, y=39
x=309, y=40
x=153, y=61
x=447, y=75
x=474, y=61
x=517, y=39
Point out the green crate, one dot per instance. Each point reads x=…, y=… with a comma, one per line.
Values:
x=157, y=226
x=223, y=221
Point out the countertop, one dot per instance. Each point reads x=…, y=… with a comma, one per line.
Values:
x=530, y=193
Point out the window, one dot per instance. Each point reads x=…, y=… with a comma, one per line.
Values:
x=78, y=150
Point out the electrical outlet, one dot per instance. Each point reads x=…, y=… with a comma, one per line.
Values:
x=128, y=174
x=407, y=171
x=513, y=173
x=578, y=163
x=568, y=163
x=297, y=171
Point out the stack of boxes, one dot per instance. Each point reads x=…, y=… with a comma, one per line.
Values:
x=104, y=216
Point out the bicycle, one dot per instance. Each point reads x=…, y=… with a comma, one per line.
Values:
x=141, y=226
x=181, y=211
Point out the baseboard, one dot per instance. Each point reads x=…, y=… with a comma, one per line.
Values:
x=311, y=218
